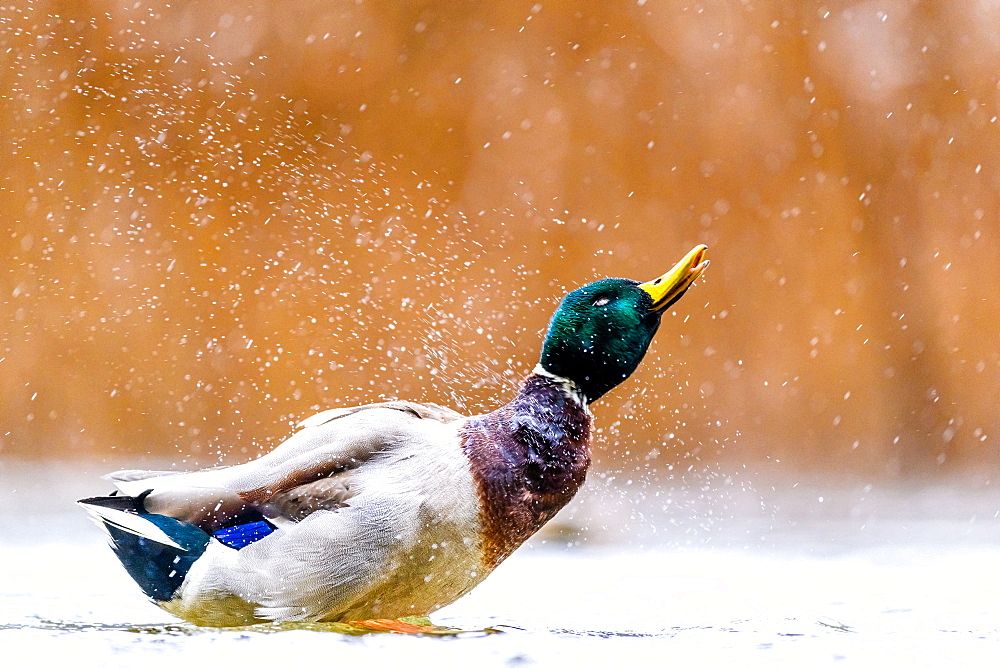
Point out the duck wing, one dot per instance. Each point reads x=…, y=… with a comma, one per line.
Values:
x=307, y=472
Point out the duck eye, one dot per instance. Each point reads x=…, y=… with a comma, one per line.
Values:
x=602, y=301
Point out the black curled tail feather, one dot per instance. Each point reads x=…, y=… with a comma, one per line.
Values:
x=129, y=504
x=160, y=563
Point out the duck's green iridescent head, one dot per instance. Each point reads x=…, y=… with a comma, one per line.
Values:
x=601, y=331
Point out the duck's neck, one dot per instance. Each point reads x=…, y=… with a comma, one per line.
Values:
x=529, y=458
x=569, y=387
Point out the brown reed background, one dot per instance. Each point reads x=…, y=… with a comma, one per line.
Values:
x=219, y=217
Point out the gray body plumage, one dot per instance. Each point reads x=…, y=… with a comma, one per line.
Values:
x=377, y=516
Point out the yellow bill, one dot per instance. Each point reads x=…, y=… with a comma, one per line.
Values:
x=668, y=288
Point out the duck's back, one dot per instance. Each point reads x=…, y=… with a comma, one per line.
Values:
x=375, y=514
x=402, y=541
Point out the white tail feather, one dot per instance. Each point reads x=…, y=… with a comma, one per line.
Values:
x=130, y=522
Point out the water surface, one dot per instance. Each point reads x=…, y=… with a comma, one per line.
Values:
x=909, y=581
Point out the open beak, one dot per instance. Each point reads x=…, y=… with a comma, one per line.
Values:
x=670, y=287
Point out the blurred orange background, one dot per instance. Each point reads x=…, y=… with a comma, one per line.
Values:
x=220, y=217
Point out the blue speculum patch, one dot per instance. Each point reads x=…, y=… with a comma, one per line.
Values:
x=240, y=536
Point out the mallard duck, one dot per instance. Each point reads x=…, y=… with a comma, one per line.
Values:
x=392, y=509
